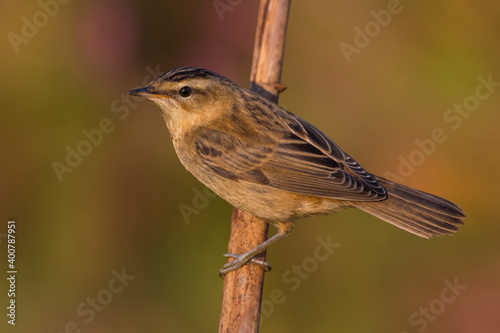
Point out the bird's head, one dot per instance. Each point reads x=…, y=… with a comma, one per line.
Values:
x=189, y=96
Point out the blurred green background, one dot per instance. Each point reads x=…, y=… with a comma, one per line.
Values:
x=66, y=69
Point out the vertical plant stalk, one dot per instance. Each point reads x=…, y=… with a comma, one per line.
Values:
x=242, y=292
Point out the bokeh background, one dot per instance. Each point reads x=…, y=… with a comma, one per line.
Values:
x=117, y=210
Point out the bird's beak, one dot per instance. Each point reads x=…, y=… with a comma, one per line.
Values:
x=147, y=92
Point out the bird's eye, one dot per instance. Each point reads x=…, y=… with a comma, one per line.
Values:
x=185, y=91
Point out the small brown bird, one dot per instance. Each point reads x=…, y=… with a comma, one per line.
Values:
x=273, y=165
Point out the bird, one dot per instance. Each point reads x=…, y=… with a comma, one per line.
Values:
x=272, y=164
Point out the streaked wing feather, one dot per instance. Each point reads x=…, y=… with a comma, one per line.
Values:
x=303, y=161
x=316, y=138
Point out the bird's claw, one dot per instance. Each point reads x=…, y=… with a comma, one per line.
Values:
x=239, y=261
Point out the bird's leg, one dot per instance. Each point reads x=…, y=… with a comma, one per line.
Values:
x=252, y=260
x=242, y=259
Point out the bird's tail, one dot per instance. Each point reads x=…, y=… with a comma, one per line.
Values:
x=418, y=212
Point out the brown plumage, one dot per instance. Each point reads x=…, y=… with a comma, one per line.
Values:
x=274, y=165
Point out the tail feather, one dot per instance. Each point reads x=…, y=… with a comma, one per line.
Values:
x=418, y=212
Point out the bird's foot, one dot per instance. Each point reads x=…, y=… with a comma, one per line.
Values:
x=239, y=261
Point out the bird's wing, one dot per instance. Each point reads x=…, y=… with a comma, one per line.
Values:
x=302, y=160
